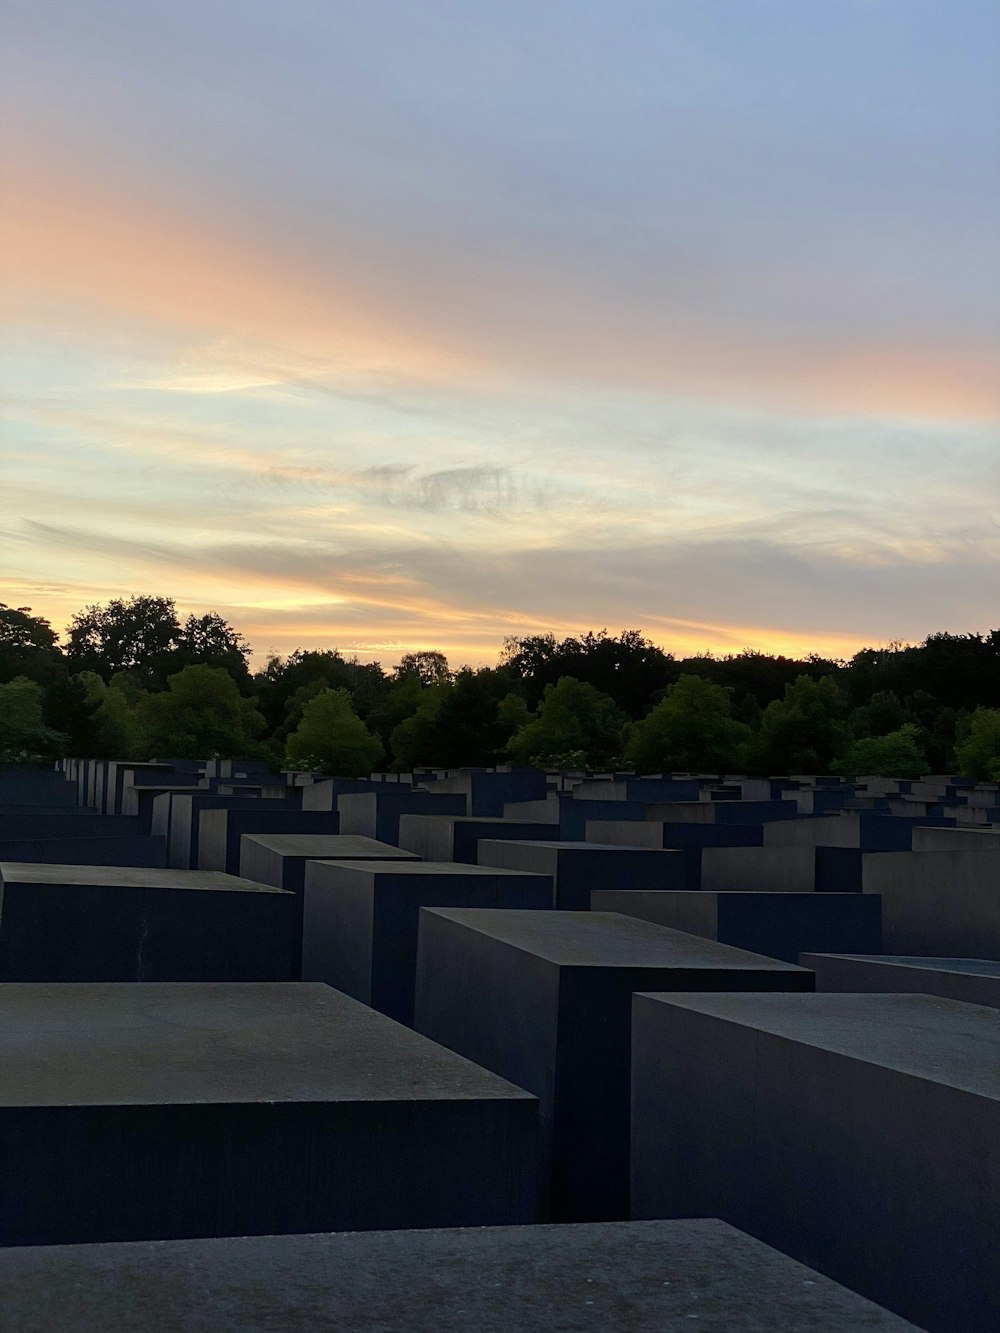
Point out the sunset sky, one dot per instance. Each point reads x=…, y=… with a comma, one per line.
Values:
x=395, y=325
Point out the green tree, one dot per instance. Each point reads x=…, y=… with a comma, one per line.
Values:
x=882, y=714
x=691, y=729
x=330, y=738
x=23, y=733
x=979, y=752
x=575, y=726
x=119, y=731
x=28, y=646
x=896, y=754
x=209, y=640
x=628, y=667
x=201, y=715
x=802, y=732
x=429, y=667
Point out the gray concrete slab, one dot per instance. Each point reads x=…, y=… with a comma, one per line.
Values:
x=576, y=868
x=780, y=925
x=456, y=838
x=280, y=858
x=221, y=830
x=937, y=903
x=624, y=1277
x=375, y=814
x=166, y=1111
x=360, y=919
x=61, y=923
x=857, y=1130
x=971, y=980
x=543, y=998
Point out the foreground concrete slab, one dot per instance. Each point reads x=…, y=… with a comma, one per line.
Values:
x=625, y=1277
x=544, y=999
x=971, y=980
x=855, y=1132
x=128, y=923
x=160, y=1111
x=780, y=925
x=360, y=919
x=576, y=868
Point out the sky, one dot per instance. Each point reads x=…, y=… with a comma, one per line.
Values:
x=387, y=325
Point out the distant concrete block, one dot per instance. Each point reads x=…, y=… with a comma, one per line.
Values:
x=220, y=831
x=280, y=858
x=456, y=838
x=158, y=1111
x=858, y=1131
x=577, y=868
x=375, y=814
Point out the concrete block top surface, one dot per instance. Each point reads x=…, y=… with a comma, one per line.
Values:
x=966, y=967
x=550, y=844
x=944, y=1041
x=643, y=1277
x=127, y=877
x=104, y=1044
x=401, y=866
x=605, y=939
x=327, y=846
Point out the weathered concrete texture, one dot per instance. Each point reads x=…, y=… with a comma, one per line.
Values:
x=456, y=838
x=220, y=832
x=360, y=918
x=157, y=1112
x=280, y=858
x=780, y=925
x=375, y=814
x=956, y=839
x=543, y=998
x=117, y=923
x=971, y=980
x=857, y=1133
x=619, y=1277
x=938, y=903
x=130, y=849
x=576, y=868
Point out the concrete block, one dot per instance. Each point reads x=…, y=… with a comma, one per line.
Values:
x=360, y=918
x=543, y=999
x=117, y=923
x=220, y=831
x=779, y=925
x=971, y=980
x=375, y=814
x=576, y=868
x=591, y=1278
x=167, y=1111
x=130, y=849
x=855, y=1132
x=280, y=858
x=455, y=838
x=937, y=903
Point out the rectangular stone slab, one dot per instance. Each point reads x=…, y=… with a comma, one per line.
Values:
x=375, y=814
x=971, y=980
x=576, y=868
x=360, y=918
x=860, y=1131
x=165, y=1111
x=129, y=849
x=119, y=923
x=617, y=1277
x=184, y=824
x=220, y=832
x=780, y=925
x=455, y=838
x=280, y=858
x=934, y=903
x=543, y=998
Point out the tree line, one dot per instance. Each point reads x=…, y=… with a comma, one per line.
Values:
x=131, y=680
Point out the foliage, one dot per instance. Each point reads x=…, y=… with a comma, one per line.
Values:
x=467, y=720
x=802, y=732
x=201, y=714
x=629, y=668
x=119, y=731
x=28, y=646
x=979, y=752
x=894, y=754
x=576, y=725
x=330, y=738
x=429, y=667
x=23, y=733
x=692, y=729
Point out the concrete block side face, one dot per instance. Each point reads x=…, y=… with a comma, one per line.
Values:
x=358, y=813
x=876, y=975
x=937, y=903
x=114, y=1173
x=692, y=1132
x=783, y=926
x=90, y=933
x=337, y=927
x=696, y=913
x=431, y=837
x=493, y=1004
x=881, y=1180
x=211, y=840
x=759, y=869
